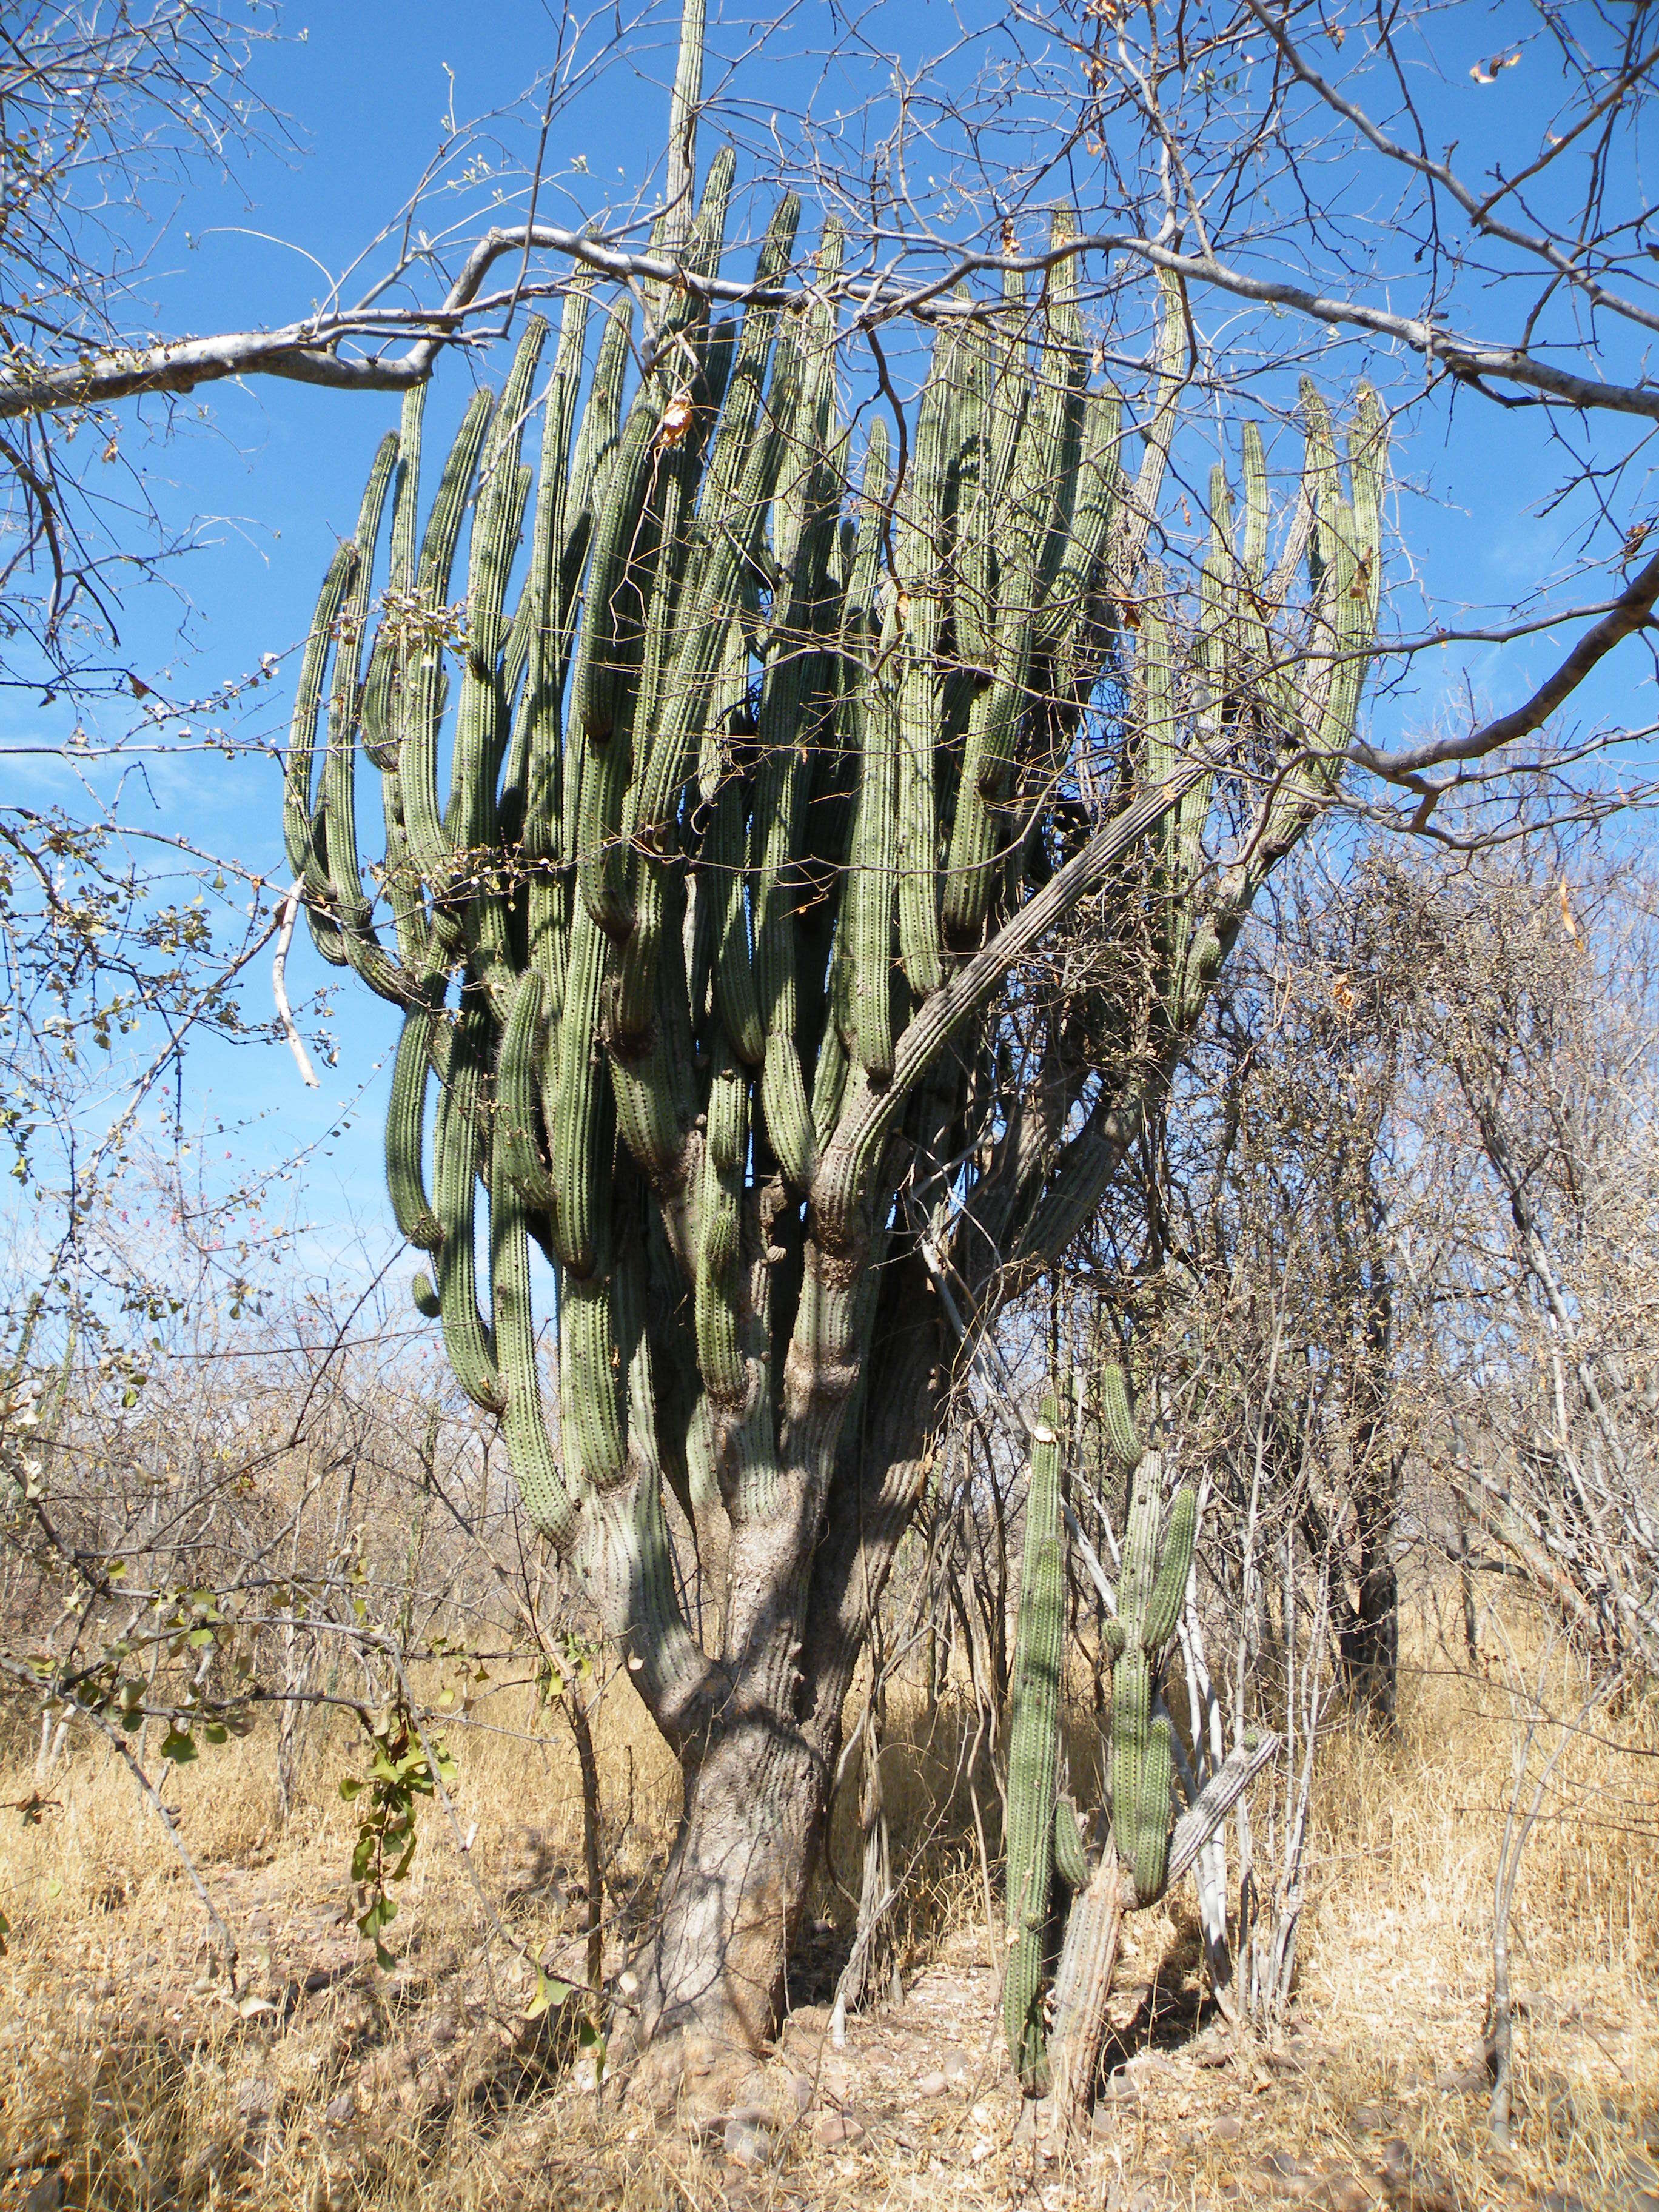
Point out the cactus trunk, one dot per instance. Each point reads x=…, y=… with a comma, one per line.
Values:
x=712, y=1976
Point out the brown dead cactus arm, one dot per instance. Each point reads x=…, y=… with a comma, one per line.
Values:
x=760, y=792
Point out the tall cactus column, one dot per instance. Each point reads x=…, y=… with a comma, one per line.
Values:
x=1034, y=1743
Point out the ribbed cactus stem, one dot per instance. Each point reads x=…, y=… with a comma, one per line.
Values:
x=1030, y=424
x=1034, y=1755
x=518, y=1099
x=1169, y=1591
x=460, y=1150
x=1151, y=1592
x=579, y=1122
x=1070, y=1863
x=541, y=1479
x=918, y=623
x=425, y=631
x=875, y=854
x=1117, y=1417
x=336, y=909
x=726, y=850
x=406, y=1133
x=725, y=1156
x=1254, y=556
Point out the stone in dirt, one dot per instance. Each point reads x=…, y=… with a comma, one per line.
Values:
x=837, y=2130
x=931, y=2085
x=256, y=2097
x=1284, y=2175
x=1342, y=2191
x=1463, y=2080
x=713, y=2127
x=1410, y=2184
x=746, y=2142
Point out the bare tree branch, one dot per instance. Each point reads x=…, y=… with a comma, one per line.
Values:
x=1630, y=611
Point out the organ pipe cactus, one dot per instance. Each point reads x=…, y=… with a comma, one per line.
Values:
x=729, y=758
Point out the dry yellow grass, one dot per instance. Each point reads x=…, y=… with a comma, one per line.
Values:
x=125, y=2071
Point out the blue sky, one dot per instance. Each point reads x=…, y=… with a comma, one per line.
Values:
x=271, y=476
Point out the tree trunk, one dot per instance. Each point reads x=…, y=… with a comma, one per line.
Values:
x=713, y=1972
x=1370, y=1639
x=806, y=1576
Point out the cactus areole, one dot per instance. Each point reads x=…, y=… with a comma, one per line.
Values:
x=769, y=766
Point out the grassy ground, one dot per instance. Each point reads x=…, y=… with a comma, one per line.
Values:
x=130, y=2077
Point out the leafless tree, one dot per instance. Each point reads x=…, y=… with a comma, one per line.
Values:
x=1534, y=991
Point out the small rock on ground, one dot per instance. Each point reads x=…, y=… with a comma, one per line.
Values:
x=1408, y=2182
x=746, y=2142
x=1342, y=2192
x=1462, y=2081
x=837, y=2130
x=1282, y=2174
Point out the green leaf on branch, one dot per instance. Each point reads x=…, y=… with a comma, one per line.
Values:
x=403, y=1769
x=550, y=1991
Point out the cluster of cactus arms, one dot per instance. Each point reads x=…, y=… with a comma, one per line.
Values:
x=761, y=733
x=1043, y=1839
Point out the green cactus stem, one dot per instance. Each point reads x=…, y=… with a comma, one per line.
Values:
x=1034, y=1755
x=1151, y=1591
